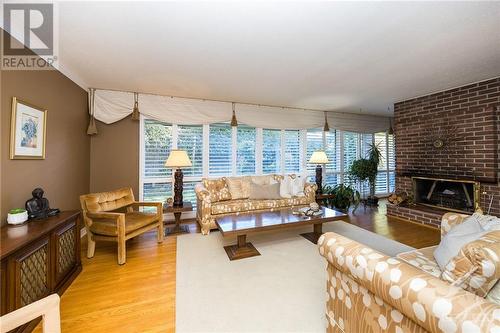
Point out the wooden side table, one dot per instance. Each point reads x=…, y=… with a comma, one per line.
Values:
x=322, y=199
x=178, y=210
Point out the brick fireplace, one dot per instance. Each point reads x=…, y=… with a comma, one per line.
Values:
x=451, y=135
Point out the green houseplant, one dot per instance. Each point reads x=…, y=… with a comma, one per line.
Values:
x=343, y=196
x=365, y=170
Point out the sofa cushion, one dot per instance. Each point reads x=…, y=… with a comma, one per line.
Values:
x=477, y=267
x=133, y=221
x=246, y=205
x=264, y=180
x=264, y=192
x=239, y=187
x=422, y=259
x=218, y=189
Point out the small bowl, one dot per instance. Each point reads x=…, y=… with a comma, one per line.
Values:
x=18, y=218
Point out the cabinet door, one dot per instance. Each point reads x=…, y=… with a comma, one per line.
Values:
x=66, y=250
x=30, y=273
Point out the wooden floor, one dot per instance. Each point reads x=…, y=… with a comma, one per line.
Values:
x=140, y=295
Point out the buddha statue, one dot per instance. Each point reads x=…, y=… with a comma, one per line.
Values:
x=38, y=206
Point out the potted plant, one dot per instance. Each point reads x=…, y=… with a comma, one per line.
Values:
x=365, y=170
x=343, y=197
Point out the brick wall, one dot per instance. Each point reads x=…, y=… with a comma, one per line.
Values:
x=467, y=119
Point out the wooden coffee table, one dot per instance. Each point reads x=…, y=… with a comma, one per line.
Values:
x=242, y=224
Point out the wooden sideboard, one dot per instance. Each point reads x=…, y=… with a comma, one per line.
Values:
x=37, y=259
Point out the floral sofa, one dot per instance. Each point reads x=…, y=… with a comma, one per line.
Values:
x=368, y=291
x=214, y=199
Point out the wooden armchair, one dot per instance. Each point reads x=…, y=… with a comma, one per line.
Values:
x=103, y=222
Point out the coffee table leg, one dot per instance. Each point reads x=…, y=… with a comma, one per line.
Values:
x=241, y=249
x=314, y=236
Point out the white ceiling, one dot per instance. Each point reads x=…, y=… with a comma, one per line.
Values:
x=342, y=56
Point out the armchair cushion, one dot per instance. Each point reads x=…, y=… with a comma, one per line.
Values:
x=133, y=221
x=108, y=201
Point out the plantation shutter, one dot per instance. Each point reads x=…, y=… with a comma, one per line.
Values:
x=314, y=140
x=190, y=139
x=292, y=151
x=220, y=150
x=245, y=153
x=157, y=146
x=271, y=151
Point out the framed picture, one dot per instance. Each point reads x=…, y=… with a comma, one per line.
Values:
x=27, y=131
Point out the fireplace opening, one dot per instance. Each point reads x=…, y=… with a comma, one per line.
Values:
x=449, y=194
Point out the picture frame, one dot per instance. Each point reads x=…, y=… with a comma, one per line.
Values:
x=27, y=131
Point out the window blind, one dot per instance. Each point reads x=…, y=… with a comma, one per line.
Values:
x=220, y=150
x=350, y=149
x=271, y=151
x=190, y=139
x=292, y=151
x=157, y=146
x=245, y=153
x=314, y=142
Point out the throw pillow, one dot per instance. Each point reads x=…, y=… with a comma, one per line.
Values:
x=285, y=187
x=239, y=187
x=451, y=243
x=477, y=267
x=297, y=186
x=265, y=192
x=218, y=189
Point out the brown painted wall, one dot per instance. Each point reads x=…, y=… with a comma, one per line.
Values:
x=114, y=156
x=64, y=173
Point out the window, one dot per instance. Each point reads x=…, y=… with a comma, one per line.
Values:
x=157, y=146
x=292, y=151
x=190, y=139
x=220, y=150
x=314, y=142
x=245, y=154
x=386, y=175
x=271, y=151
x=351, y=152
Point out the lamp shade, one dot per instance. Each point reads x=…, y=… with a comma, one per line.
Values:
x=177, y=159
x=319, y=157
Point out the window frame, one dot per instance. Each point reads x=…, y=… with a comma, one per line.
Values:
x=339, y=171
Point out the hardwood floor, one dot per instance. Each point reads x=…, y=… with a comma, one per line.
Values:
x=140, y=295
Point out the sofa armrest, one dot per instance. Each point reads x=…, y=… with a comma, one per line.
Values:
x=449, y=220
x=428, y=301
x=310, y=191
x=202, y=193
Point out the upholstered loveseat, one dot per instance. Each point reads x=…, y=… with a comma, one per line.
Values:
x=368, y=291
x=214, y=199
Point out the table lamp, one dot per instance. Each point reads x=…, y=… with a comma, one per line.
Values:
x=178, y=159
x=319, y=157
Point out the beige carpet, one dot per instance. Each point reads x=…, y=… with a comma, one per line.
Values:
x=282, y=290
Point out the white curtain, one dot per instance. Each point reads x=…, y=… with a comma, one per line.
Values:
x=112, y=106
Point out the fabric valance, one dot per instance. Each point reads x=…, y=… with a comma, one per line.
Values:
x=111, y=106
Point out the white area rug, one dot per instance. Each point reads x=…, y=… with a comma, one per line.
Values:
x=282, y=290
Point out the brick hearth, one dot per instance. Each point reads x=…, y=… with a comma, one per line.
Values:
x=468, y=119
